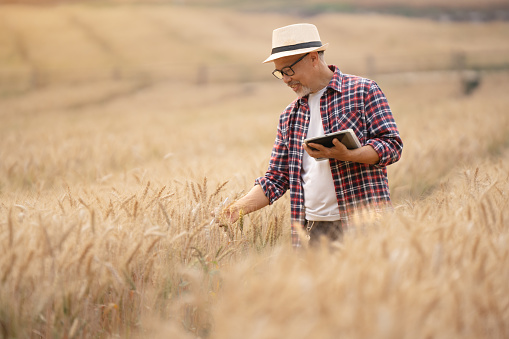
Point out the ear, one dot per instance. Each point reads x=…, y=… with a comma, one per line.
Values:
x=315, y=59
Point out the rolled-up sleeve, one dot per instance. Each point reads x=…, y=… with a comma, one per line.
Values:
x=383, y=134
x=275, y=182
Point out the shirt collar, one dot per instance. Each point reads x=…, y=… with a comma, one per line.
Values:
x=335, y=83
x=337, y=79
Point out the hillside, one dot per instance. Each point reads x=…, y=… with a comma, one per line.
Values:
x=469, y=10
x=145, y=44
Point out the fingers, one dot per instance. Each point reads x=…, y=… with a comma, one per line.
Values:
x=337, y=151
x=315, y=150
x=219, y=212
x=229, y=214
x=314, y=147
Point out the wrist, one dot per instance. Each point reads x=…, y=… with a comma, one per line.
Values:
x=346, y=155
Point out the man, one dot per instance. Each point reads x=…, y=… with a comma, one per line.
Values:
x=324, y=195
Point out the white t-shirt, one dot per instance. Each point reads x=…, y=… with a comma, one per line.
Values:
x=320, y=200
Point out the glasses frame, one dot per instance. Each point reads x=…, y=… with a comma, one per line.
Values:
x=287, y=70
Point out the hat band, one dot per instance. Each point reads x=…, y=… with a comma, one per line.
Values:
x=296, y=46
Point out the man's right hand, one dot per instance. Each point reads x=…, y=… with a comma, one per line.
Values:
x=252, y=201
x=228, y=214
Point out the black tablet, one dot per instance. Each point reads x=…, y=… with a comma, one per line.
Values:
x=347, y=137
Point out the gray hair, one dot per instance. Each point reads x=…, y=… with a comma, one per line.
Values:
x=321, y=55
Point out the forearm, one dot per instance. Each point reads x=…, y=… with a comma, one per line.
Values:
x=252, y=201
x=364, y=155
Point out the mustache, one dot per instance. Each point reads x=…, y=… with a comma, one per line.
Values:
x=290, y=84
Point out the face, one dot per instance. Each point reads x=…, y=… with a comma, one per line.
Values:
x=298, y=81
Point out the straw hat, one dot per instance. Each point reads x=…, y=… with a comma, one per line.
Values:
x=295, y=39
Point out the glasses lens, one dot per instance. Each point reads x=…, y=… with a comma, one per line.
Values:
x=287, y=71
x=277, y=74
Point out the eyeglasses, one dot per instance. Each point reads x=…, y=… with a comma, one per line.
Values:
x=287, y=70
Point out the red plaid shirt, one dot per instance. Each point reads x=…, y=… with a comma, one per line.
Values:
x=348, y=102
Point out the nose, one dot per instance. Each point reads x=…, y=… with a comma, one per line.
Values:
x=287, y=78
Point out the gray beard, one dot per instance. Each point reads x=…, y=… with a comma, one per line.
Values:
x=303, y=91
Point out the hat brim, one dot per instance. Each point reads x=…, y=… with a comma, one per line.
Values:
x=275, y=56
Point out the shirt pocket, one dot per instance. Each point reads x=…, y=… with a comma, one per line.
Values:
x=352, y=119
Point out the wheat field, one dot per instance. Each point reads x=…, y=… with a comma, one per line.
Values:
x=115, y=150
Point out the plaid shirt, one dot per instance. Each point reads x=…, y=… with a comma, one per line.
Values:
x=348, y=102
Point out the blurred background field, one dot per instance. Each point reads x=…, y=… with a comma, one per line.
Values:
x=146, y=43
x=124, y=123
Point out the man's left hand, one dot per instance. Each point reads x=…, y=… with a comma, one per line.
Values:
x=338, y=151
